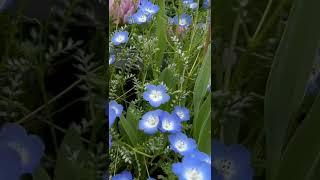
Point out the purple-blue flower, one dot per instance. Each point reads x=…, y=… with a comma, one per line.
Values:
x=169, y=123
x=148, y=7
x=150, y=121
x=182, y=113
x=183, y=21
x=112, y=59
x=120, y=37
x=30, y=148
x=200, y=156
x=10, y=163
x=140, y=17
x=191, y=168
x=156, y=95
x=190, y=4
x=115, y=111
x=206, y=4
x=124, y=175
x=231, y=162
x=181, y=144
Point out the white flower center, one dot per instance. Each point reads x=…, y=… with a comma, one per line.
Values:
x=181, y=145
x=180, y=114
x=193, y=174
x=116, y=110
x=156, y=95
x=182, y=22
x=23, y=153
x=149, y=10
x=120, y=38
x=167, y=125
x=152, y=121
x=225, y=167
x=142, y=18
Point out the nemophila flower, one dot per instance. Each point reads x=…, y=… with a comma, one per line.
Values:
x=115, y=111
x=148, y=7
x=191, y=168
x=120, y=11
x=140, y=17
x=206, y=3
x=150, y=121
x=200, y=156
x=181, y=144
x=231, y=162
x=169, y=123
x=190, y=4
x=125, y=175
x=183, y=21
x=10, y=163
x=112, y=59
x=156, y=95
x=182, y=113
x=120, y=37
x=30, y=148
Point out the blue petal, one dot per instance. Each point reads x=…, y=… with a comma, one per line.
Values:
x=125, y=175
x=13, y=130
x=10, y=164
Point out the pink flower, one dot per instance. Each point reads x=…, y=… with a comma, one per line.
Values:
x=119, y=11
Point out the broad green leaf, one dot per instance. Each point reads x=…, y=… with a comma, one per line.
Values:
x=73, y=159
x=202, y=81
x=130, y=125
x=40, y=174
x=303, y=151
x=203, y=126
x=289, y=75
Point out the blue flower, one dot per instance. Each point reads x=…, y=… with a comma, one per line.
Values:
x=169, y=123
x=10, y=164
x=148, y=7
x=182, y=113
x=30, y=148
x=183, y=21
x=190, y=4
x=140, y=17
x=150, y=178
x=112, y=59
x=191, y=168
x=181, y=144
x=115, y=111
x=231, y=162
x=150, y=121
x=200, y=156
x=206, y=4
x=120, y=37
x=156, y=95
x=124, y=175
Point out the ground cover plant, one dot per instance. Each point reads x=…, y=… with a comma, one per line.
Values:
x=159, y=108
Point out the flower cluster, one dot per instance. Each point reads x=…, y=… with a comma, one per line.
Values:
x=20, y=153
x=146, y=10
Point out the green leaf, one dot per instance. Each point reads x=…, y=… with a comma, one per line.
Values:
x=202, y=81
x=303, y=151
x=289, y=75
x=130, y=125
x=161, y=33
x=68, y=167
x=167, y=76
x=203, y=126
x=41, y=174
